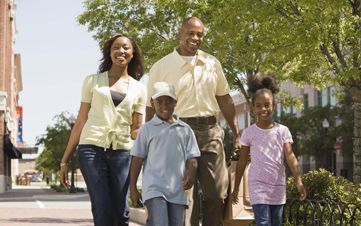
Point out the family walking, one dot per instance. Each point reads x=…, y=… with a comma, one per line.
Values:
x=180, y=147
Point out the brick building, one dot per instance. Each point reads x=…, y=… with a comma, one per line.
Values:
x=10, y=86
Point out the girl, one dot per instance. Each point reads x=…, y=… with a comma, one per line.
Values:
x=268, y=143
x=110, y=115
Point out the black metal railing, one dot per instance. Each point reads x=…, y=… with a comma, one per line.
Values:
x=321, y=212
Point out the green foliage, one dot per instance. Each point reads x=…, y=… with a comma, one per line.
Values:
x=307, y=42
x=58, y=188
x=321, y=184
x=54, y=141
x=61, y=188
x=228, y=143
x=327, y=193
x=309, y=135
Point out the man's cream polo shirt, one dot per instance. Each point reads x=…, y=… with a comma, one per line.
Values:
x=196, y=84
x=108, y=124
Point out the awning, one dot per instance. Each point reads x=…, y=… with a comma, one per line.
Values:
x=10, y=149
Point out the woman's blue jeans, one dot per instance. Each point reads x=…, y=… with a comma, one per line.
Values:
x=106, y=174
x=268, y=215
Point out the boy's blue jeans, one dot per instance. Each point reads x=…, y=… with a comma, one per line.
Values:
x=106, y=174
x=163, y=213
x=268, y=215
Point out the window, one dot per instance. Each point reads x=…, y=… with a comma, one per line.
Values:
x=305, y=101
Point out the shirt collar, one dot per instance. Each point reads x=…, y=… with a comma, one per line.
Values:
x=157, y=121
x=201, y=57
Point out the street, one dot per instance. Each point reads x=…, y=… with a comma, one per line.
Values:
x=38, y=205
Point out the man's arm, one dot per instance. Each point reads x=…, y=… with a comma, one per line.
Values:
x=149, y=112
x=228, y=110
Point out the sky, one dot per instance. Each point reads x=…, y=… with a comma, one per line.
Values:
x=56, y=55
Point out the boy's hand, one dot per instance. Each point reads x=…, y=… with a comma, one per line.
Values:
x=301, y=190
x=135, y=196
x=188, y=182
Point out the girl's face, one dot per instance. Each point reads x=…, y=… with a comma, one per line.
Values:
x=164, y=107
x=121, y=51
x=263, y=107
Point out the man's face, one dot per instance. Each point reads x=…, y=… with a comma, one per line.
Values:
x=191, y=37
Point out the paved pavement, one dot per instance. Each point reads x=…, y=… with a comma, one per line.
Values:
x=37, y=205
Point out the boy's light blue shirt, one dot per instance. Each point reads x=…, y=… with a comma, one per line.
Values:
x=165, y=148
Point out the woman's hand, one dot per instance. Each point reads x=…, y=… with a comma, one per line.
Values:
x=64, y=175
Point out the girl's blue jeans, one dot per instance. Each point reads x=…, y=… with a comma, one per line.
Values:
x=268, y=215
x=106, y=174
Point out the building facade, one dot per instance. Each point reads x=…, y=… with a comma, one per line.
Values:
x=10, y=86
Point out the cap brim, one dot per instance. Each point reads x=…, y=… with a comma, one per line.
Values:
x=155, y=96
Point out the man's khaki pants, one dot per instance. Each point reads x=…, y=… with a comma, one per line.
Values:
x=213, y=177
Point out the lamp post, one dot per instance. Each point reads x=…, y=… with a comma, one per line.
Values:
x=72, y=161
x=326, y=125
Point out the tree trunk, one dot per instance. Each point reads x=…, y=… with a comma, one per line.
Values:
x=356, y=94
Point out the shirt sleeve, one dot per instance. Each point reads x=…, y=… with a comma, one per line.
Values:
x=151, y=80
x=222, y=84
x=140, y=145
x=86, y=94
x=192, y=146
x=245, y=141
x=139, y=105
x=287, y=136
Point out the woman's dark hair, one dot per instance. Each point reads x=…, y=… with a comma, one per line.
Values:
x=262, y=83
x=135, y=67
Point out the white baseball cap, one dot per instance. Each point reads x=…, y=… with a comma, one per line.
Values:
x=163, y=89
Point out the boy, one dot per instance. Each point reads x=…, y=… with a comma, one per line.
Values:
x=168, y=149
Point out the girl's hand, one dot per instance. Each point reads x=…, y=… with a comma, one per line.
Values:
x=301, y=190
x=234, y=197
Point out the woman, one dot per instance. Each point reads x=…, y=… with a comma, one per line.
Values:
x=110, y=115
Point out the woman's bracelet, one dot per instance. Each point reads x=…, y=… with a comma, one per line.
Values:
x=63, y=164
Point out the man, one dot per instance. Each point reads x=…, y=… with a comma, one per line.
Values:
x=201, y=89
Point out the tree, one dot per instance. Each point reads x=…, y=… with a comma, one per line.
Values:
x=310, y=138
x=314, y=42
x=54, y=140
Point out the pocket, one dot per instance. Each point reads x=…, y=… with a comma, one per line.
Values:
x=210, y=140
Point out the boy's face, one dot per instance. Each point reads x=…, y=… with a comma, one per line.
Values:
x=164, y=107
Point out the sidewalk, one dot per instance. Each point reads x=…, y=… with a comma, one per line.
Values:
x=37, y=204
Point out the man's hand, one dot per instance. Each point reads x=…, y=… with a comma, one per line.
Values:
x=236, y=148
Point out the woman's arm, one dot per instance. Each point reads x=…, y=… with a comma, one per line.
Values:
x=137, y=120
x=73, y=142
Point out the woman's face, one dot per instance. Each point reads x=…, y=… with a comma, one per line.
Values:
x=121, y=51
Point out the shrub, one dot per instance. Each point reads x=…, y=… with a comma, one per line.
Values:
x=330, y=201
